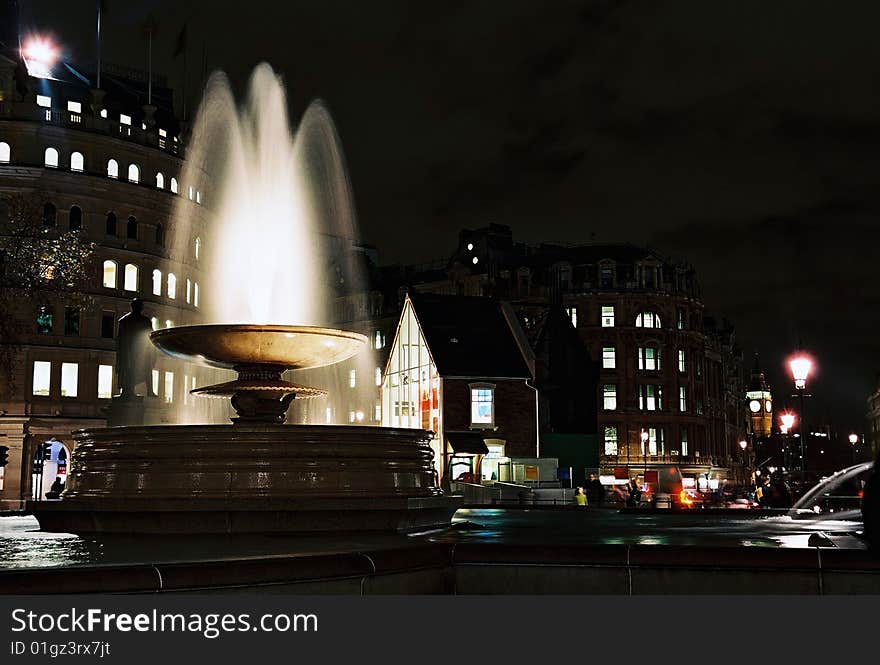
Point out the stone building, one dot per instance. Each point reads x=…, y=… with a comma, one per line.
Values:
x=670, y=385
x=873, y=417
x=102, y=163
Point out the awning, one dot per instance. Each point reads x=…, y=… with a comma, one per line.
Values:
x=468, y=443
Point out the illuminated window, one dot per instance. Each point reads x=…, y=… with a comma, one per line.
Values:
x=682, y=362
x=131, y=228
x=77, y=161
x=130, y=278
x=5, y=153
x=680, y=315
x=74, y=107
x=110, y=224
x=190, y=192
x=649, y=358
x=609, y=396
x=195, y=294
x=607, y=316
x=112, y=169
x=684, y=441
x=44, y=101
x=609, y=357
x=157, y=282
x=172, y=285
x=45, y=321
x=154, y=323
x=69, y=379
x=611, y=440
x=50, y=158
x=377, y=414
x=105, y=381
x=378, y=376
x=352, y=378
x=188, y=290
x=154, y=381
x=198, y=197
x=134, y=173
x=379, y=340
x=124, y=119
x=682, y=398
x=74, y=218
x=160, y=180
x=174, y=185
x=103, y=113
x=649, y=398
x=109, y=274
x=572, y=313
x=169, y=387
x=647, y=320
x=482, y=404
x=169, y=323
x=655, y=441
x=42, y=377
x=351, y=416
x=197, y=248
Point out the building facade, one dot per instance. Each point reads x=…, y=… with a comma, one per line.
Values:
x=104, y=167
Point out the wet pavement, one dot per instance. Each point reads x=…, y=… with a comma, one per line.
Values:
x=23, y=545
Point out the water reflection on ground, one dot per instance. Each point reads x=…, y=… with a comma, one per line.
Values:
x=23, y=545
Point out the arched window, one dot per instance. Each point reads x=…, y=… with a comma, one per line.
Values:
x=111, y=224
x=647, y=320
x=134, y=173
x=131, y=228
x=77, y=162
x=109, y=274
x=112, y=169
x=50, y=214
x=160, y=180
x=50, y=158
x=5, y=152
x=157, y=282
x=172, y=285
x=198, y=248
x=174, y=185
x=195, y=294
x=130, y=282
x=160, y=235
x=190, y=192
x=75, y=218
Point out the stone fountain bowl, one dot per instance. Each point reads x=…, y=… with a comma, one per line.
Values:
x=234, y=345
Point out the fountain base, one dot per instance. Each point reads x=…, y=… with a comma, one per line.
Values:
x=248, y=478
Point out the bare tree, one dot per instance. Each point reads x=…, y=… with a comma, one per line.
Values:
x=38, y=264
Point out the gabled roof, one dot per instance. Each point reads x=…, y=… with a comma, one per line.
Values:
x=469, y=336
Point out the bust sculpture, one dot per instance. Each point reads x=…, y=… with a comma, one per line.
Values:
x=134, y=352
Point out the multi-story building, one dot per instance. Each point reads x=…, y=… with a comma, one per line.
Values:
x=873, y=416
x=669, y=389
x=104, y=164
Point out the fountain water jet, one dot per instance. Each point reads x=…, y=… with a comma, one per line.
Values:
x=273, y=193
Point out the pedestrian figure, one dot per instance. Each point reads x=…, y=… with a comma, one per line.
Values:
x=134, y=351
x=580, y=498
x=595, y=491
x=635, y=494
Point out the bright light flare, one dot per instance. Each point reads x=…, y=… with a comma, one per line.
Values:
x=801, y=366
x=854, y=439
x=40, y=55
x=743, y=444
x=787, y=420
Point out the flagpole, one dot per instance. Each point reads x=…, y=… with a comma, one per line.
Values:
x=184, y=84
x=150, y=67
x=98, y=45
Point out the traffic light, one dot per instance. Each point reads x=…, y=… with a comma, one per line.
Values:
x=4, y=455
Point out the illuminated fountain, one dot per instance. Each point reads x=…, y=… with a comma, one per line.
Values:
x=275, y=193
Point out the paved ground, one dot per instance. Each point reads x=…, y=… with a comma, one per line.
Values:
x=22, y=545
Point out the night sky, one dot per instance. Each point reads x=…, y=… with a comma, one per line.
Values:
x=743, y=137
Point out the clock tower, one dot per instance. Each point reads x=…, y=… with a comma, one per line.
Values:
x=760, y=403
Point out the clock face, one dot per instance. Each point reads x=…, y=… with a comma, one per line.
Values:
x=768, y=406
x=754, y=406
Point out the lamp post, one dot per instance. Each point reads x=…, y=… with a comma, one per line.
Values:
x=787, y=420
x=644, y=437
x=853, y=440
x=801, y=365
x=743, y=444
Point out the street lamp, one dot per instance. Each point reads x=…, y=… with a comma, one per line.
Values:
x=644, y=437
x=853, y=440
x=743, y=444
x=801, y=365
x=787, y=419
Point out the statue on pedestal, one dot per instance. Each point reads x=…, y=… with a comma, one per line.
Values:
x=134, y=351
